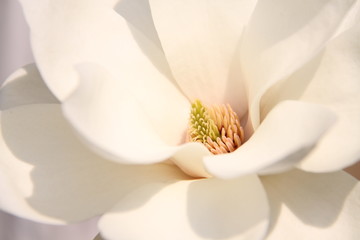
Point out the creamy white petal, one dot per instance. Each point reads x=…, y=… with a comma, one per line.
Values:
x=351, y=20
x=313, y=206
x=338, y=81
x=332, y=80
x=199, y=209
x=200, y=39
x=190, y=159
x=286, y=135
x=66, y=32
x=23, y=87
x=132, y=125
x=47, y=175
x=282, y=36
x=138, y=14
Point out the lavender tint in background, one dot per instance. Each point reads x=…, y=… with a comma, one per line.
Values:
x=14, y=53
x=14, y=44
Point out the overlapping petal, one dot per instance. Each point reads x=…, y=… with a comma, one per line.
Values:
x=138, y=14
x=200, y=39
x=119, y=126
x=313, y=206
x=19, y=90
x=123, y=101
x=351, y=20
x=331, y=79
x=284, y=35
x=46, y=174
x=65, y=33
x=198, y=209
x=285, y=136
x=123, y=122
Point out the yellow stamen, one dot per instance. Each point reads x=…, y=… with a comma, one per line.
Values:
x=217, y=127
x=201, y=124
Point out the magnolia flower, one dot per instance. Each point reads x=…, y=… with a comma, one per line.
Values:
x=106, y=121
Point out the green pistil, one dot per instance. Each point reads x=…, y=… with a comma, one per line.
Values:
x=201, y=124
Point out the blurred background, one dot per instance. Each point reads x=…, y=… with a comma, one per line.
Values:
x=14, y=38
x=14, y=53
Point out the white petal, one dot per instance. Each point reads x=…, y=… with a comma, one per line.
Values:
x=332, y=79
x=199, y=39
x=352, y=19
x=138, y=14
x=282, y=36
x=286, y=135
x=200, y=209
x=142, y=124
x=313, y=206
x=130, y=125
x=23, y=87
x=190, y=159
x=65, y=33
x=47, y=175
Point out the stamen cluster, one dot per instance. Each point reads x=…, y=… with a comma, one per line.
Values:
x=202, y=126
x=217, y=127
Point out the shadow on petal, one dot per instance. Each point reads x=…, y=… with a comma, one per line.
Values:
x=138, y=14
x=226, y=209
x=67, y=180
x=274, y=23
x=197, y=210
x=139, y=20
x=24, y=87
x=236, y=90
x=291, y=88
x=315, y=200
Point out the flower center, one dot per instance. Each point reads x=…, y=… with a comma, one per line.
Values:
x=217, y=127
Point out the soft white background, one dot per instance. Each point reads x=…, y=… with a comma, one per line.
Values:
x=14, y=53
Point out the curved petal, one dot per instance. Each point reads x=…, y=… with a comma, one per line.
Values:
x=142, y=125
x=190, y=159
x=200, y=209
x=46, y=174
x=351, y=20
x=286, y=135
x=284, y=35
x=138, y=14
x=132, y=127
x=333, y=81
x=24, y=87
x=65, y=33
x=199, y=39
x=313, y=206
